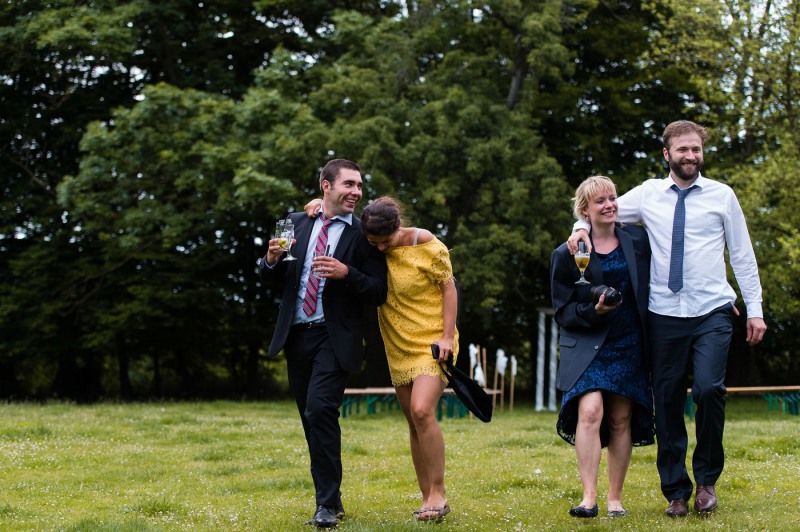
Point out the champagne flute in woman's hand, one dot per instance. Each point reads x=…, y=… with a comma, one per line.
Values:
x=582, y=260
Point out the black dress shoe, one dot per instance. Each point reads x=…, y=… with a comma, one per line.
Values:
x=581, y=511
x=705, y=500
x=325, y=517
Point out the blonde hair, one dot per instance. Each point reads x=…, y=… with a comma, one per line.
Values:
x=587, y=191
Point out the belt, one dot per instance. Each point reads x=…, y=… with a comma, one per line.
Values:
x=309, y=324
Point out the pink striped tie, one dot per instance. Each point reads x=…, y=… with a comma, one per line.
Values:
x=312, y=286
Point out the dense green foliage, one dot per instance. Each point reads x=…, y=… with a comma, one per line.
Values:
x=148, y=148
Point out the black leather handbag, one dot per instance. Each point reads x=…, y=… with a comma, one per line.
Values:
x=470, y=392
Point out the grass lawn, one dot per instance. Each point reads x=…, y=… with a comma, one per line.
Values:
x=244, y=466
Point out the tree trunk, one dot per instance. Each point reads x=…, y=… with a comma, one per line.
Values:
x=125, y=386
x=520, y=72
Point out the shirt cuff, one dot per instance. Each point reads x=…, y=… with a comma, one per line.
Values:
x=754, y=311
x=581, y=224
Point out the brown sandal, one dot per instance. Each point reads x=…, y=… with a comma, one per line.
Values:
x=432, y=513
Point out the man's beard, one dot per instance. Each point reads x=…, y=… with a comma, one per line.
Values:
x=677, y=169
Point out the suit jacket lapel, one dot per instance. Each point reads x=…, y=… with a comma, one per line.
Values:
x=348, y=234
x=595, y=268
x=302, y=234
x=630, y=257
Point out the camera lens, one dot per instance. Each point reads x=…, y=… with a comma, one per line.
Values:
x=613, y=296
x=596, y=291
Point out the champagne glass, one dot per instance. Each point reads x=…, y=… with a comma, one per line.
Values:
x=582, y=260
x=278, y=231
x=279, y=226
x=315, y=270
x=286, y=240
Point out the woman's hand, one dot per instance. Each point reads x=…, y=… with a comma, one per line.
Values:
x=313, y=207
x=601, y=306
x=445, y=348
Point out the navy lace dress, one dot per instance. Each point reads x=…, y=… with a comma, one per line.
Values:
x=619, y=365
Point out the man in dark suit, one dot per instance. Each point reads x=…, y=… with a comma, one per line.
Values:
x=321, y=320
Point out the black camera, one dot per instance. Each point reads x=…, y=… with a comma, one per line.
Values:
x=613, y=296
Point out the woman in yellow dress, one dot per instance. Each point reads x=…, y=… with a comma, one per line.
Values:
x=420, y=310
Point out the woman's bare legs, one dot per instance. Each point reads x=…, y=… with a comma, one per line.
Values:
x=404, y=398
x=418, y=401
x=619, y=447
x=587, y=444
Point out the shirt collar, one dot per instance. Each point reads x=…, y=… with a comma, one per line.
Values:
x=346, y=218
x=667, y=182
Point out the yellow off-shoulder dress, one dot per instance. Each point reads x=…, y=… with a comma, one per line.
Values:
x=411, y=319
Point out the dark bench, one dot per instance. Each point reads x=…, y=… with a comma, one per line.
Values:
x=786, y=398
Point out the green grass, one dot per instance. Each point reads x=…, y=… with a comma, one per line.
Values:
x=244, y=466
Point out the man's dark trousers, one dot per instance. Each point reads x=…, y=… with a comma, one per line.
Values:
x=318, y=382
x=678, y=345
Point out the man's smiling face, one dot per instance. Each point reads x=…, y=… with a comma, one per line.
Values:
x=342, y=196
x=685, y=157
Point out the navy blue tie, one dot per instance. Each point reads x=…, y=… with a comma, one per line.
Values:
x=678, y=225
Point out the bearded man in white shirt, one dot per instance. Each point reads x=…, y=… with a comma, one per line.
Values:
x=691, y=307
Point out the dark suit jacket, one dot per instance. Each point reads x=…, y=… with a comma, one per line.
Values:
x=582, y=330
x=344, y=301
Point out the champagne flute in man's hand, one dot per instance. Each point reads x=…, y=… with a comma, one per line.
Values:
x=287, y=238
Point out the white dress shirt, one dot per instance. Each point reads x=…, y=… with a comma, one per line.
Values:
x=714, y=220
x=335, y=231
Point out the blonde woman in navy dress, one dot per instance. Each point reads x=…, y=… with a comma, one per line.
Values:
x=607, y=396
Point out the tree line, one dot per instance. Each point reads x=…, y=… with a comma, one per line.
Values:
x=149, y=147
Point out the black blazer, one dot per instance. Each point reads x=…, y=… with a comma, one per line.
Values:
x=345, y=301
x=583, y=331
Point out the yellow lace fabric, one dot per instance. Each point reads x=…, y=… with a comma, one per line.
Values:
x=411, y=319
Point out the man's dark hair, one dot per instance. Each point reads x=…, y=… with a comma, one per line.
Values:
x=331, y=170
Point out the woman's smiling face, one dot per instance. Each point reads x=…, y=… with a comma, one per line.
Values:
x=602, y=209
x=384, y=242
